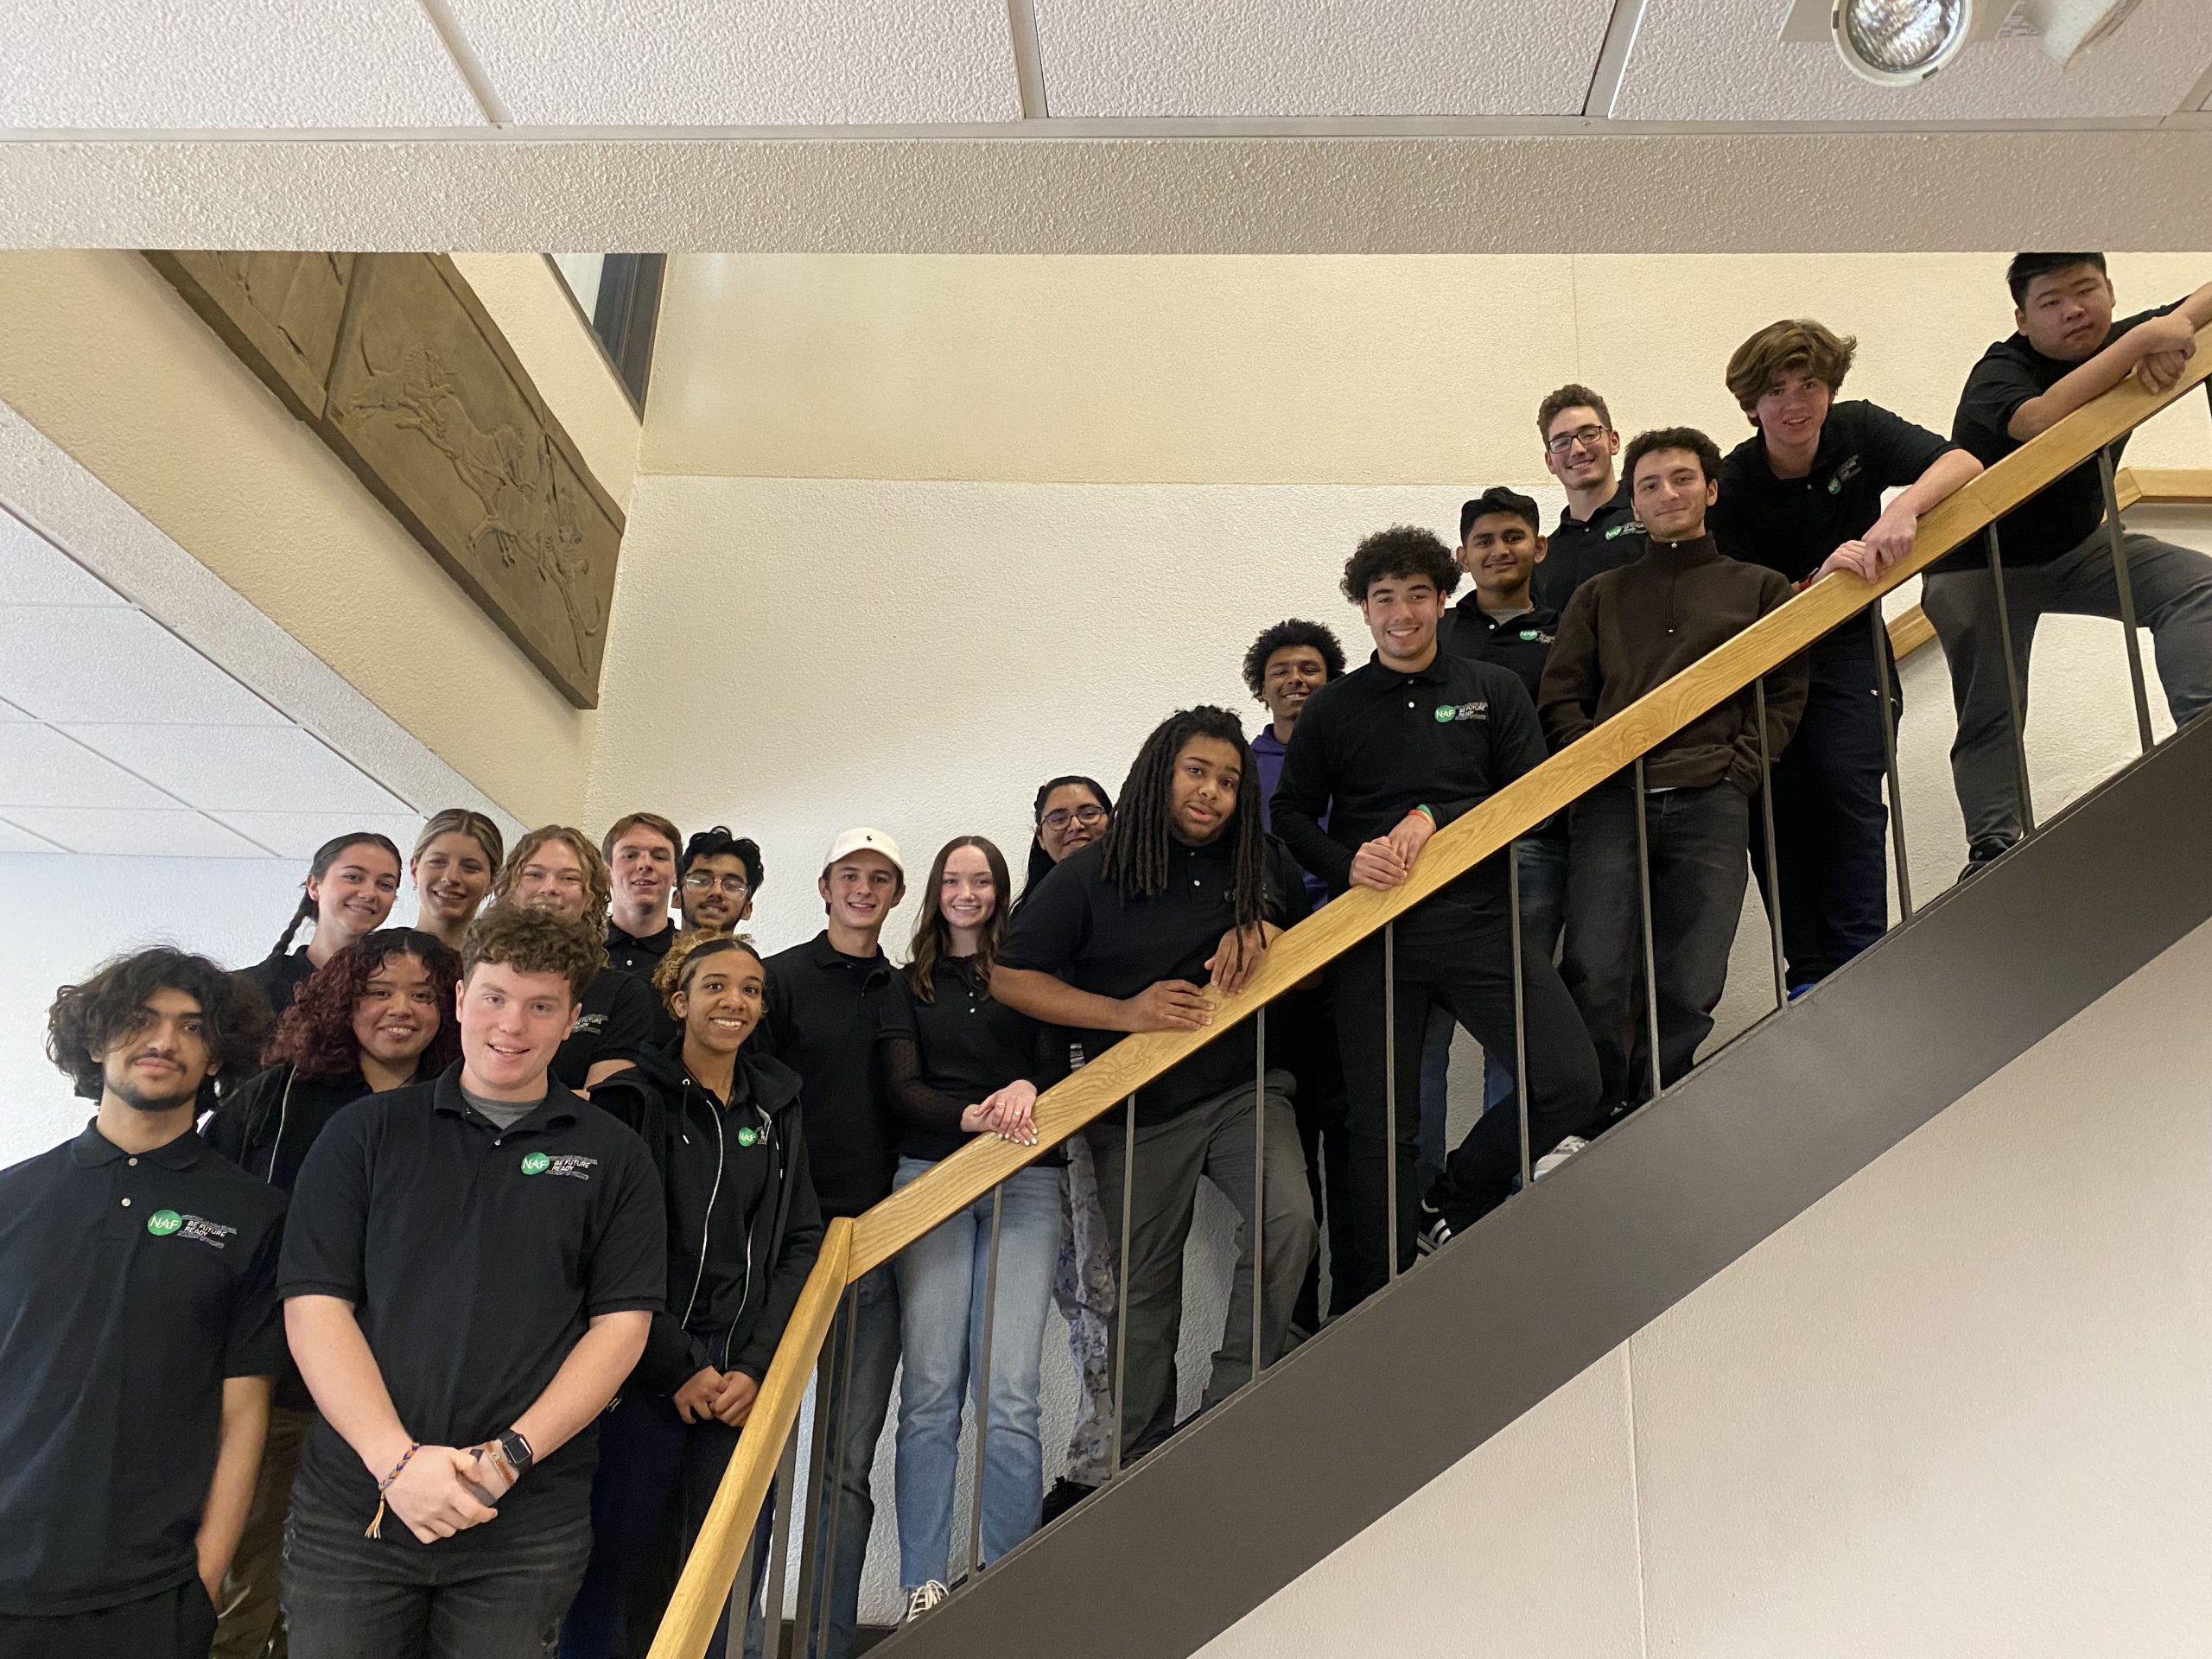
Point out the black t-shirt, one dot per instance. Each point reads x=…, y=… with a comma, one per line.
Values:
x=1075, y=925
x=616, y=1024
x=1579, y=549
x=475, y=1259
x=958, y=1048
x=130, y=1287
x=1379, y=743
x=1792, y=525
x=2064, y=514
x=820, y=1020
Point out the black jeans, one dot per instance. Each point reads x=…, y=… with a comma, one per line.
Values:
x=478, y=1595
x=1457, y=947
x=1831, y=827
x=1700, y=850
x=175, y=1624
x=656, y=1480
x=1302, y=1040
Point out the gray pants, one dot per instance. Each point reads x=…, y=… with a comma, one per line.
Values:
x=1214, y=1138
x=2173, y=599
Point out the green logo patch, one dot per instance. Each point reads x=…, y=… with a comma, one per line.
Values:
x=162, y=1222
x=748, y=1137
x=536, y=1163
x=1443, y=714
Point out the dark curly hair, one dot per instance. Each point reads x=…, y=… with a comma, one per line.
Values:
x=719, y=843
x=1671, y=437
x=535, y=942
x=687, y=950
x=316, y=1033
x=1295, y=632
x=89, y=1018
x=1401, y=551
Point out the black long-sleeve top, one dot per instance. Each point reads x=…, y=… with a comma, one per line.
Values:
x=942, y=1056
x=1378, y=743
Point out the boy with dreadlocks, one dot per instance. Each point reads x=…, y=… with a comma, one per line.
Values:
x=1142, y=929
x=1411, y=741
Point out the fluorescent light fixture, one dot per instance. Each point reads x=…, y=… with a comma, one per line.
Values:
x=1899, y=42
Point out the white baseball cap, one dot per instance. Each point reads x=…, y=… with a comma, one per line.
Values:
x=864, y=840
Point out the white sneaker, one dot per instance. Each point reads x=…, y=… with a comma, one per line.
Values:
x=1558, y=1155
x=923, y=1598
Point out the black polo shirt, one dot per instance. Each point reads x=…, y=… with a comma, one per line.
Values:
x=2064, y=513
x=966, y=1046
x=1447, y=738
x=130, y=1287
x=475, y=1258
x=279, y=978
x=641, y=960
x=1519, y=644
x=616, y=1024
x=1579, y=549
x=1792, y=525
x=1076, y=925
x=822, y=1010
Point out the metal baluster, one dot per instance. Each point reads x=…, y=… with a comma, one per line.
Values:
x=1259, y=1174
x=1882, y=670
x=1122, y=1292
x=780, y=1547
x=2012, y=686
x=1520, y=1007
x=840, y=1418
x=1766, y=826
x=822, y=1470
x=739, y=1601
x=2126, y=600
x=984, y=1384
x=1651, y=968
x=1390, y=1092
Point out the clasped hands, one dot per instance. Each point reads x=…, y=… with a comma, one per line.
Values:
x=444, y=1490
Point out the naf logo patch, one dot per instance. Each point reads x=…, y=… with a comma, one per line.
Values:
x=1537, y=636
x=1448, y=713
x=574, y=1165
x=1850, y=469
x=167, y=1224
x=1618, y=530
x=588, y=1023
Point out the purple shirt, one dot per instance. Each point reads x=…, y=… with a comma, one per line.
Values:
x=1267, y=750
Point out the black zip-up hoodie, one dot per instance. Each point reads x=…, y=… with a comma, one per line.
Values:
x=743, y=1224
x=266, y=1125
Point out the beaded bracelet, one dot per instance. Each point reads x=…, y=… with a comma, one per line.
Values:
x=375, y=1520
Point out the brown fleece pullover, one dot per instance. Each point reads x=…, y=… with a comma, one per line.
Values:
x=1630, y=631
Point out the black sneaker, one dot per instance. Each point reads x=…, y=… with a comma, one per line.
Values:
x=1065, y=1496
x=1982, y=854
x=1436, y=1229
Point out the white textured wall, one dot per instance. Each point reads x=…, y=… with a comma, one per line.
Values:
x=1955, y=1409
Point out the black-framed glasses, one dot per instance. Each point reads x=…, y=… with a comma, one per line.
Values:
x=1590, y=437
x=707, y=881
x=1060, y=816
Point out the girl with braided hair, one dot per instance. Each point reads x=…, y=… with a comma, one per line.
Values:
x=350, y=884
x=1145, y=930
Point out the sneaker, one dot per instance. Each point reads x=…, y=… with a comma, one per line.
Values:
x=1436, y=1229
x=1558, y=1155
x=923, y=1598
x=1982, y=854
x=1065, y=1496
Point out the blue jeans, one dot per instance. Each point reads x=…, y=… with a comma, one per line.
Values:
x=942, y=1280
x=874, y=1340
x=1543, y=911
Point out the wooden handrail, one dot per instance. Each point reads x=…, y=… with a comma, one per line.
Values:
x=709, y=1570
x=853, y=1249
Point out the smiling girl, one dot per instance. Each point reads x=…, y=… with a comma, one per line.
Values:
x=350, y=884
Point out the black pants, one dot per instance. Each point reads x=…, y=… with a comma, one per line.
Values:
x=656, y=1480
x=1831, y=826
x=1457, y=948
x=175, y=1623
x=1302, y=1040
x=1700, y=841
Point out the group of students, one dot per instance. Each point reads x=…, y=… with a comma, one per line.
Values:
x=430, y=1315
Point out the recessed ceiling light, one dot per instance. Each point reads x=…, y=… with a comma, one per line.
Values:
x=1899, y=42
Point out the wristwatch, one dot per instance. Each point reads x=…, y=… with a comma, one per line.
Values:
x=516, y=1450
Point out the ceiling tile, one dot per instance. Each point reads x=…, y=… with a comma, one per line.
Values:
x=1725, y=60
x=114, y=665
x=151, y=835
x=307, y=63
x=1140, y=58
x=32, y=571
x=39, y=767
x=13, y=838
x=764, y=63
x=242, y=768
x=297, y=835
x=8, y=711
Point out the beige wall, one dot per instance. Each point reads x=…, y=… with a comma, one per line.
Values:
x=1956, y=1408
x=1324, y=370
x=100, y=354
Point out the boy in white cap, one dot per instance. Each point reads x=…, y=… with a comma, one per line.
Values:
x=824, y=1002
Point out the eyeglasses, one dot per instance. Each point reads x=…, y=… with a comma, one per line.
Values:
x=1060, y=816
x=1590, y=437
x=707, y=881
